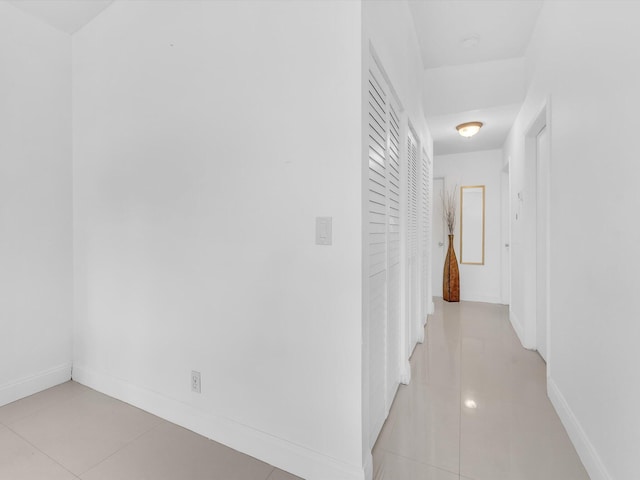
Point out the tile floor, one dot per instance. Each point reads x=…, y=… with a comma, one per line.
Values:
x=70, y=432
x=471, y=353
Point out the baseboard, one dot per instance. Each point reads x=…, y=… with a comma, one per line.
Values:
x=586, y=451
x=405, y=373
x=518, y=327
x=23, y=387
x=480, y=298
x=288, y=456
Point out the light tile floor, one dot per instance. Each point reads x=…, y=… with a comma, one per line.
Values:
x=70, y=432
x=472, y=353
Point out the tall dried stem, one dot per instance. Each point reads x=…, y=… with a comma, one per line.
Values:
x=449, y=208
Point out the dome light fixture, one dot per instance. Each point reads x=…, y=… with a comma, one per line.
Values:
x=469, y=129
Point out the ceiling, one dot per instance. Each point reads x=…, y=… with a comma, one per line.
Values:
x=502, y=29
x=472, y=52
x=460, y=40
x=66, y=15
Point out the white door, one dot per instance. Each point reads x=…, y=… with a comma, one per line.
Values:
x=377, y=239
x=413, y=259
x=438, y=245
x=425, y=231
x=383, y=237
x=542, y=252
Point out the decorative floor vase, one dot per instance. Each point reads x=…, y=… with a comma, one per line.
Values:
x=451, y=276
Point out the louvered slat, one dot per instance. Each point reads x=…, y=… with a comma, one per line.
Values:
x=378, y=249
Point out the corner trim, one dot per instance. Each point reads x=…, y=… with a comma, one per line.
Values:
x=586, y=451
x=276, y=451
x=23, y=387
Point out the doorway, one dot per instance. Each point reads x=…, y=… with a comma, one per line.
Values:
x=537, y=210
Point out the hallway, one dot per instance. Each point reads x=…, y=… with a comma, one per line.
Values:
x=476, y=407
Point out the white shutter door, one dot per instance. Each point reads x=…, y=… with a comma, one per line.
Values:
x=377, y=238
x=393, y=275
x=425, y=240
x=412, y=237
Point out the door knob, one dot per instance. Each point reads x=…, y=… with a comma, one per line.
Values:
x=440, y=244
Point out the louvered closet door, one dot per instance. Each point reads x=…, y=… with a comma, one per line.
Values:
x=413, y=290
x=393, y=238
x=425, y=231
x=377, y=238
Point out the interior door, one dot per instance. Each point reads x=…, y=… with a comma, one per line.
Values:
x=413, y=259
x=438, y=246
x=542, y=253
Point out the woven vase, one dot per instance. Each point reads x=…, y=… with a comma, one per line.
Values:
x=451, y=275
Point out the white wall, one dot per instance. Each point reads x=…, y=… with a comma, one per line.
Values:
x=35, y=205
x=207, y=138
x=584, y=59
x=479, y=283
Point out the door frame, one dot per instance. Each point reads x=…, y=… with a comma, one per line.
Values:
x=541, y=121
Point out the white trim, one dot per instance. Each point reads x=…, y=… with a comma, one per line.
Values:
x=519, y=328
x=392, y=91
x=432, y=306
x=482, y=298
x=368, y=466
x=23, y=387
x=276, y=451
x=586, y=451
x=405, y=375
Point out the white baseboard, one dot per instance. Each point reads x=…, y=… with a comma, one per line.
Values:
x=466, y=297
x=300, y=461
x=23, y=387
x=405, y=373
x=518, y=327
x=586, y=451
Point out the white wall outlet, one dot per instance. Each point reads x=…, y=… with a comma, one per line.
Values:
x=196, y=386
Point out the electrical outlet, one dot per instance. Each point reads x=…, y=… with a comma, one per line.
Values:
x=196, y=386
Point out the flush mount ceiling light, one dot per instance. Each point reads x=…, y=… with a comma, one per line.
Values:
x=469, y=129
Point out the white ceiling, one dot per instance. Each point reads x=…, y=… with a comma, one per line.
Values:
x=66, y=15
x=497, y=122
x=503, y=29
x=482, y=79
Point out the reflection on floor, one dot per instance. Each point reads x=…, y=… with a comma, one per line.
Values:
x=476, y=407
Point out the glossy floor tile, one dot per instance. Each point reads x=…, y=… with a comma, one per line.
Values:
x=72, y=432
x=476, y=407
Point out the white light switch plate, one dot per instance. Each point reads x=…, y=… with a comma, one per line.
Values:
x=324, y=234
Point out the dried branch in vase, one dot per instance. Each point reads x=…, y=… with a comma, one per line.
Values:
x=449, y=208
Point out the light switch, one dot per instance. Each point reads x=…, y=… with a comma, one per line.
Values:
x=323, y=230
